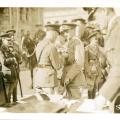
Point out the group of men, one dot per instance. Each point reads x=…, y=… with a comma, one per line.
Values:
x=71, y=56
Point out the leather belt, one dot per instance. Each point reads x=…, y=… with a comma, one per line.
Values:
x=43, y=66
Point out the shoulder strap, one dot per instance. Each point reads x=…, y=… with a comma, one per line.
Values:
x=41, y=53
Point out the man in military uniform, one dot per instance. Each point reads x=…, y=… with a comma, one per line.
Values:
x=92, y=66
x=88, y=30
x=102, y=58
x=80, y=27
x=79, y=34
x=11, y=61
x=15, y=45
x=62, y=47
x=73, y=77
x=48, y=61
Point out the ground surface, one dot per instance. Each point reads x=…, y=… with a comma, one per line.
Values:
x=32, y=105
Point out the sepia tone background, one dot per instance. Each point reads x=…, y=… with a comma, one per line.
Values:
x=32, y=18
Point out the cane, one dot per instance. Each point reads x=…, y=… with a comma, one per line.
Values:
x=20, y=85
x=19, y=81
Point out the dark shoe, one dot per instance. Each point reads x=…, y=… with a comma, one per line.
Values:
x=117, y=105
x=8, y=105
x=15, y=103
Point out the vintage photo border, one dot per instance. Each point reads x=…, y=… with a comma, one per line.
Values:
x=58, y=3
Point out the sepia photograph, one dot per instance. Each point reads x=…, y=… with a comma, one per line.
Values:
x=59, y=60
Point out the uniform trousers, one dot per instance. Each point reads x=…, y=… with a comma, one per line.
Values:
x=12, y=87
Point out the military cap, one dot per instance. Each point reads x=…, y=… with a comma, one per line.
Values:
x=70, y=25
x=63, y=28
x=11, y=31
x=92, y=35
x=80, y=19
x=6, y=35
x=54, y=27
x=67, y=26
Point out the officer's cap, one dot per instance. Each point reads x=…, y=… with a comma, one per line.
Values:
x=63, y=28
x=6, y=35
x=80, y=19
x=67, y=26
x=11, y=31
x=54, y=27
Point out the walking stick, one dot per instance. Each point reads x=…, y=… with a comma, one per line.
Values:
x=20, y=85
x=19, y=81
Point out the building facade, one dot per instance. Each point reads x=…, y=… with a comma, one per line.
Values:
x=20, y=19
x=60, y=15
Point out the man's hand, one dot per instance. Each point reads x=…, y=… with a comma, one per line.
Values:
x=60, y=73
x=67, y=81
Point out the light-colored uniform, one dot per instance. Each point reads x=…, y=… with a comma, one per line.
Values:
x=74, y=68
x=48, y=64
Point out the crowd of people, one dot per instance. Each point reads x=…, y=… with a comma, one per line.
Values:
x=68, y=57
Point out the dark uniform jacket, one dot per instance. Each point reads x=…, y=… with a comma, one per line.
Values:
x=92, y=65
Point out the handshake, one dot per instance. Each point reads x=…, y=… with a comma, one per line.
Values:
x=60, y=73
